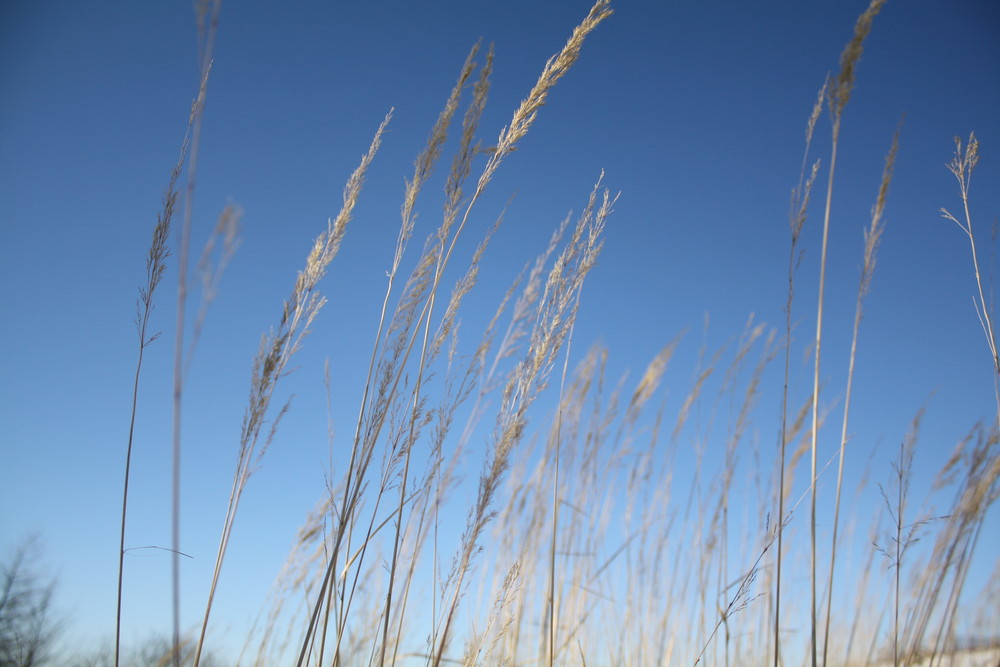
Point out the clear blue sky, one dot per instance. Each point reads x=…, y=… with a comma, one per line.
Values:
x=695, y=111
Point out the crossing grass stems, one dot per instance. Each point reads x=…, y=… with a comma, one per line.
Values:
x=585, y=523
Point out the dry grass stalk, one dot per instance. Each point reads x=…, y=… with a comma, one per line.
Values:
x=600, y=544
x=554, y=69
x=460, y=171
x=211, y=266
x=206, y=43
x=840, y=93
x=742, y=597
x=978, y=487
x=974, y=466
x=276, y=350
x=551, y=619
x=900, y=543
x=400, y=336
x=861, y=624
x=872, y=236
x=961, y=166
x=414, y=314
x=583, y=513
x=717, y=544
x=797, y=219
x=554, y=316
x=155, y=266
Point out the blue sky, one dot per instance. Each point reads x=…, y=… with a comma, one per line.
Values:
x=695, y=112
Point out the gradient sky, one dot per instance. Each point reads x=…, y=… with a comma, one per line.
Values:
x=696, y=113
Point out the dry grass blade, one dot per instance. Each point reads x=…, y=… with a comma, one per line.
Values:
x=417, y=302
x=595, y=555
x=961, y=166
x=979, y=486
x=903, y=468
x=840, y=93
x=872, y=236
x=206, y=43
x=381, y=399
x=156, y=260
x=555, y=68
x=844, y=83
x=797, y=219
x=276, y=350
x=555, y=314
x=976, y=490
x=212, y=265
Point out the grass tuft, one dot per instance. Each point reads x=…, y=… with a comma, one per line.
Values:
x=580, y=544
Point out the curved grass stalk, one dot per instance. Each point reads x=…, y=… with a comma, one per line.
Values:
x=523, y=118
x=872, y=236
x=800, y=203
x=206, y=43
x=840, y=94
x=962, y=166
x=276, y=350
x=155, y=267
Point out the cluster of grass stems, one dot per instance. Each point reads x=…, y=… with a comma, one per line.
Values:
x=593, y=556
